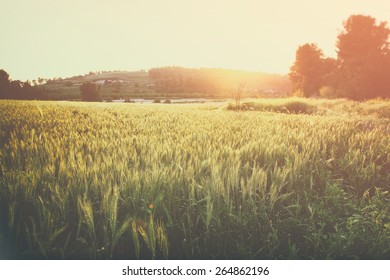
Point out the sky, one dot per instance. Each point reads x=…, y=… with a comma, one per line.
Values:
x=57, y=38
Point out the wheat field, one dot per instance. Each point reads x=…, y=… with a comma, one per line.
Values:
x=163, y=181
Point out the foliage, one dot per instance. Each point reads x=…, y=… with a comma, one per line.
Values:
x=364, y=55
x=288, y=106
x=90, y=92
x=214, y=82
x=306, y=72
x=15, y=89
x=360, y=71
x=4, y=83
x=179, y=79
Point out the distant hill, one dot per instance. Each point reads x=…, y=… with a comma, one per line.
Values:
x=114, y=85
x=111, y=75
x=171, y=82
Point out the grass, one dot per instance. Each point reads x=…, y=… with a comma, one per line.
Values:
x=288, y=106
x=128, y=181
x=337, y=107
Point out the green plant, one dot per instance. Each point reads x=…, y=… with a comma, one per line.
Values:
x=113, y=181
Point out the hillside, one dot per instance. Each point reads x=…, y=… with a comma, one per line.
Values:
x=114, y=84
x=172, y=82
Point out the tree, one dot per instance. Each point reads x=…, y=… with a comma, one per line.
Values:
x=16, y=88
x=307, y=70
x=27, y=92
x=90, y=92
x=4, y=84
x=364, y=57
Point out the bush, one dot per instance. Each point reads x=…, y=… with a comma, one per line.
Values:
x=298, y=107
x=90, y=92
x=289, y=106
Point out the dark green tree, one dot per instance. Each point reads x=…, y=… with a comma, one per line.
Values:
x=4, y=85
x=90, y=92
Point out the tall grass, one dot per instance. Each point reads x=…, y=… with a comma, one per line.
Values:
x=101, y=181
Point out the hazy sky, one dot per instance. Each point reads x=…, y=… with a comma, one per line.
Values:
x=53, y=38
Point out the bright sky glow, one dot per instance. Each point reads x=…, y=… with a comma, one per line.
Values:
x=56, y=38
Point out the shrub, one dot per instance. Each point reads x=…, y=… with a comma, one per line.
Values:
x=298, y=107
x=289, y=106
x=90, y=92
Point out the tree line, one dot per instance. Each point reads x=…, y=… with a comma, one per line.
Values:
x=16, y=89
x=360, y=71
x=178, y=79
x=213, y=81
